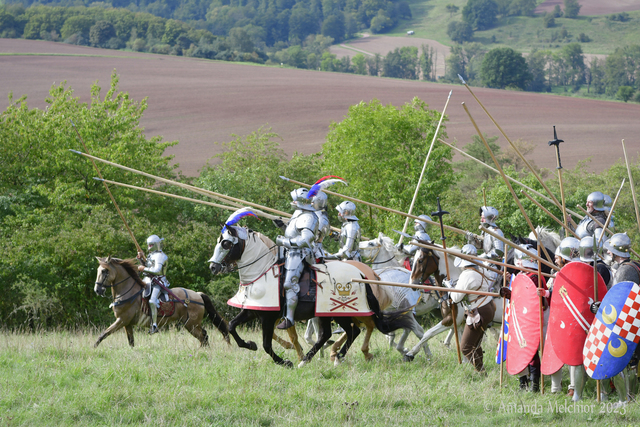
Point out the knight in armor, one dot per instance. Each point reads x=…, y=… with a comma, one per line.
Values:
x=349, y=232
x=479, y=309
x=319, y=203
x=420, y=230
x=299, y=237
x=595, y=206
x=493, y=248
x=588, y=256
x=156, y=265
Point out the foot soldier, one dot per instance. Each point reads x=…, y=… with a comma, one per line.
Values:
x=595, y=206
x=493, y=248
x=299, y=237
x=420, y=229
x=156, y=265
x=349, y=233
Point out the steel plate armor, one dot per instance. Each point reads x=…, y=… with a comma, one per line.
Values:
x=349, y=241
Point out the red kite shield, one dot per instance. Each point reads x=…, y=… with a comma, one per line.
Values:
x=550, y=362
x=570, y=317
x=524, y=324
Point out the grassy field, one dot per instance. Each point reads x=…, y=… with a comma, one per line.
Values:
x=430, y=20
x=58, y=378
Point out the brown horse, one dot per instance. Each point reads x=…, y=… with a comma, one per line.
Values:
x=128, y=303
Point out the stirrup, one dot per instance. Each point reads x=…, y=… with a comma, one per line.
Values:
x=286, y=324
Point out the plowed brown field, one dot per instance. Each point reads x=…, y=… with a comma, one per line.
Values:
x=199, y=102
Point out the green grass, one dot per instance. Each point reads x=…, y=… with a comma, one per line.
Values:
x=430, y=20
x=58, y=378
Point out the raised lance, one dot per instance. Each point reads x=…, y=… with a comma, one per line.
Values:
x=556, y=143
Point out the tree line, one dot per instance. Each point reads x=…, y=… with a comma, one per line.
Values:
x=55, y=218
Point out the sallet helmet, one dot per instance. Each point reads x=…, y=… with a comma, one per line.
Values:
x=569, y=249
x=586, y=249
x=619, y=244
x=347, y=210
x=524, y=259
x=490, y=214
x=154, y=243
x=300, y=201
x=467, y=250
x=421, y=225
x=598, y=200
x=319, y=201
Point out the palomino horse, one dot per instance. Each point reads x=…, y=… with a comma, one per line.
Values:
x=252, y=252
x=126, y=291
x=550, y=240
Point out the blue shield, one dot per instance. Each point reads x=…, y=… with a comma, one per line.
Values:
x=614, y=333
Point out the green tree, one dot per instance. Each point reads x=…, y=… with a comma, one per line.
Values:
x=571, y=9
x=101, y=32
x=333, y=26
x=401, y=63
x=359, y=64
x=459, y=32
x=391, y=145
x=504, y=67
x=452, y=9
x=625, y=93
x=240, y=40
x=480, y=14
x=537, y=64
x=76, y=25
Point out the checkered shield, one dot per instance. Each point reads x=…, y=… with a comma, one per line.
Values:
x=613, y=336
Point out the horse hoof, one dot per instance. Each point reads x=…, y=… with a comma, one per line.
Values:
x=302, y=364
x=252, y=346
x=337, y=362
x=287, y=364
x=408, y=357
x=368, y=357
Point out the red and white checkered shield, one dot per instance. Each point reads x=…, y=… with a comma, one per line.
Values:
x=524, y=324
x=570, y=317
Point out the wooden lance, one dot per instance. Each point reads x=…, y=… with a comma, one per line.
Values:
x=509, y=178
x=454, y=307
x=510, y=143
x=501, y=342
x=556, y=143
x=113, y=200
x=633, y=190
x=595, y=289
x=506, y=181
x=545, y=210
x=425, y=287
x=541, y=320
x=613, y=205
x=531, y=254
x=424, y=167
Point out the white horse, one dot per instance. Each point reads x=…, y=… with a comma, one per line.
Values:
x=550, y=239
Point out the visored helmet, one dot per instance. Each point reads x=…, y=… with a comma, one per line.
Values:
x=598, y=200
x=586, y=249
x=523, y=259
x=421, y=225
x=467, y=250
x=319, y=201
x=619, y=244
x=490, y=214
x=569, y=249
x=154, y=243
x=300, y=201
x=347, y=210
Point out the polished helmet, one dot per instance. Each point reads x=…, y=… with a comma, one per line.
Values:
x=569, y=249
x=421, y=225
x=598, y=200
x=319, y=201
x=524, y=259
x=619, y=244
x=607, y=203
x=154, y=243
x=586, y=249
x=490, y=214
x=347, y=210
x=300, y=201
x=467, y=250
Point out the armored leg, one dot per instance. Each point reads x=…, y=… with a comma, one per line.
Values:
x=154, y=303
x=291, y=289
x=580, y=377
x=556, y=381
x=622, y=386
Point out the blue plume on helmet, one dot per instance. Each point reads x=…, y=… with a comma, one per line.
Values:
x=237, y=216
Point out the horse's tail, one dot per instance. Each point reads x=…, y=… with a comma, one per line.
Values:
x=389, y=321
x=218, y=321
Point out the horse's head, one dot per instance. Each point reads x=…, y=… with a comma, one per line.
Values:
x=229, y=248
x=106, y=275
x=425, y=263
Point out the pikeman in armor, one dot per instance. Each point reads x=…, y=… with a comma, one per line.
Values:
x=349, y=233
x=595, y=206
x=607, y=208
x=156, y=265
x=420, y=228
x=299, y=238
x=493, y=248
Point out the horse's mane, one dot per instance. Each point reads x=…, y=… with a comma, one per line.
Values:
x=129, y=266
x=387, y=243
